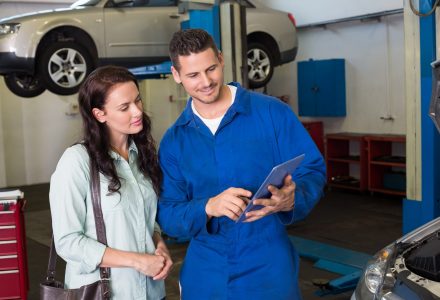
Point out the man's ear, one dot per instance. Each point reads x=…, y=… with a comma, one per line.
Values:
x=99, y=115
x=220, y=58
x=176, y=75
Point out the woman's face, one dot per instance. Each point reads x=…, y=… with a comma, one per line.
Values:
x=122, y=111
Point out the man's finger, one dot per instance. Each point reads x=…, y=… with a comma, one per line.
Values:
x=240, y=192
x=252, y=219
x=231, y=215
x=288, y=180
x=258, y=214
x=265, y=202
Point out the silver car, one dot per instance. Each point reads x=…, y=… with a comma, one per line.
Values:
x=57, y=49
x=408, y=269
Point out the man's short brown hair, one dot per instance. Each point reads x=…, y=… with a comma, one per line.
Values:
x=188, y=41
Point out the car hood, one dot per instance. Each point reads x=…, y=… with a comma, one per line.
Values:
x=421, y=232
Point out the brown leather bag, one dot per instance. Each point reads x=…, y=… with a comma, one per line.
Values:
x=52, y=289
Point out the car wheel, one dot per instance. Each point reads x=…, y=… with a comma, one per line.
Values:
x=260, y=65
x=64, y=66
x=24, y=85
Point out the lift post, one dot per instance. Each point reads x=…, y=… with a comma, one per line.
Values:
x=230, y=38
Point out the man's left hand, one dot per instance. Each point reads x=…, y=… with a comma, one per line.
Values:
x=282, y=199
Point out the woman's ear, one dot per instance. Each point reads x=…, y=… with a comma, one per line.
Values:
x=99, y=115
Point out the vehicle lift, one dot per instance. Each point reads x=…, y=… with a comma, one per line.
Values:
x=208, y=15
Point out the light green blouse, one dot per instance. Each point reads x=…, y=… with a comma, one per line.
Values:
x=129, y=218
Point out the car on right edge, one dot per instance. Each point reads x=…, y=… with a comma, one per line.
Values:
x=407, y=269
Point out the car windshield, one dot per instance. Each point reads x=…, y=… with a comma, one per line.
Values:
x=85, y=3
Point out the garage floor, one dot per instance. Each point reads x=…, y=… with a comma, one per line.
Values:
x=359, y=222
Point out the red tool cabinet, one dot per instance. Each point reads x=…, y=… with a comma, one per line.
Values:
x=14, y=279
x=316, y=131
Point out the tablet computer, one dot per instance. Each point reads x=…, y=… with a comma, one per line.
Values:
x=275, y=178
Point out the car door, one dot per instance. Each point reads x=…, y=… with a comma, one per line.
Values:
x=138, y=33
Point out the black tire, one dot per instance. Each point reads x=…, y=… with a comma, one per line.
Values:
x=25, y=85
x=64, y=66
x=260, y=65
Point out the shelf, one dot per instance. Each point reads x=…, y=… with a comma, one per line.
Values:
x=344, y=160
x=346, y=154
x=390, y=164
x=345, y=186
x=377, y=162
x=388, y=191
x=382, y=161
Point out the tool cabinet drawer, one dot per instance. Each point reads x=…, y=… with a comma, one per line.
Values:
x=7, y=232
x=8, y=262
x=8, y=247
x=7, y=217
x=10, y=284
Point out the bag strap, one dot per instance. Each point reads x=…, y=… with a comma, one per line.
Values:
x=52, y=262
x=97, y=211
x=100, y=231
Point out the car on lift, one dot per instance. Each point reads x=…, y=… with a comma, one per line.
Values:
x=57, y=49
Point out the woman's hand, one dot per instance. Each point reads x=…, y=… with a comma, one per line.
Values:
x=150, y=265
x=162, y=250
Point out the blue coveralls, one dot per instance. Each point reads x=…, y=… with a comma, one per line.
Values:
x=226, y=260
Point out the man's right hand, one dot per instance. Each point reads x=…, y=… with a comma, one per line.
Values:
x=228, y=203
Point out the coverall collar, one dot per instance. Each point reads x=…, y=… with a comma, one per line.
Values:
x=240, y=105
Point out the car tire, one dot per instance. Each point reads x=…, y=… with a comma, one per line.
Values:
x=260, y=65
x=64, y=66
x=24, y=85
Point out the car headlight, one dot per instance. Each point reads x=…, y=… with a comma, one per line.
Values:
x=9, y=28
x=378, y=278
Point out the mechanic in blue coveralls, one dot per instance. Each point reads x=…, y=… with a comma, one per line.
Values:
x=220, y=149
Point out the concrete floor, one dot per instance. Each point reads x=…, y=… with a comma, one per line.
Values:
x=359, y=222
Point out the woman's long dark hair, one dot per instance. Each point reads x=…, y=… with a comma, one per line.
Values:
x=93, y=94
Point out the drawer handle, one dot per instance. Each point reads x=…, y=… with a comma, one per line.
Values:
x=8, y=242
x=8, y=256
x=8, y=272
x=7, y=227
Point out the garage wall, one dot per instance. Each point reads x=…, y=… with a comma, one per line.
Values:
x=27, y=126
x=317, y=11
x=374, y=54
x=34, y=132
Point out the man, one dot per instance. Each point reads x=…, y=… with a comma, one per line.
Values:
x=218, y=151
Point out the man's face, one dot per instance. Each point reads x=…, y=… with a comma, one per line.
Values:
x=201, y=74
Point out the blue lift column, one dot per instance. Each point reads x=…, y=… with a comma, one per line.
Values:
x=203, y=14
x=203, y=17
x=416, y=213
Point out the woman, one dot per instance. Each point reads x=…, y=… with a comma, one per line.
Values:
x=117, y=135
